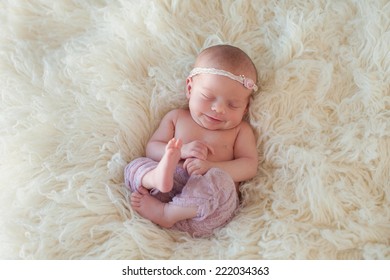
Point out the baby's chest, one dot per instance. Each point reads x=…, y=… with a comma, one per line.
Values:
x=221, y=142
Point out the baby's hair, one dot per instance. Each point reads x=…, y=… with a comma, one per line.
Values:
x=229, y=58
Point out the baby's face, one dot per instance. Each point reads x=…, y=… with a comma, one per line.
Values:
x=217, y=102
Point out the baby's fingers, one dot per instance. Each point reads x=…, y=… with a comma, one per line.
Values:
x=186, y=162
x=189, y=165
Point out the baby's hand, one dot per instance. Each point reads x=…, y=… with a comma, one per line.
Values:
x=196, y=166
x=195, y=149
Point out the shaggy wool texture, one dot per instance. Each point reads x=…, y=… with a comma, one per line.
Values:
x=85, y=83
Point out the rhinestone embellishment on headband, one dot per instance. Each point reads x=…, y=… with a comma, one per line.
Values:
x=246, y=82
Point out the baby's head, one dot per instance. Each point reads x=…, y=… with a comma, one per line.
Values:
x=219, y=87
x=227, y=58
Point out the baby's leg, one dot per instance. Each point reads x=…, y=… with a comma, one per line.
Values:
x=163, y=214
x=161, y=178
x=215, y=196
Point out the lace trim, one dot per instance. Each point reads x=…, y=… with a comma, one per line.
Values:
x=246, y=82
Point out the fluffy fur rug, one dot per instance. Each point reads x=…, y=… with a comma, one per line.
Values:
x=85, y=83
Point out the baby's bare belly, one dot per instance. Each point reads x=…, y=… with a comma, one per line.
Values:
x=221, y=153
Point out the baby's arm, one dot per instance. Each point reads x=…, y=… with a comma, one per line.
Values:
x=244, y=165
x=155, y=148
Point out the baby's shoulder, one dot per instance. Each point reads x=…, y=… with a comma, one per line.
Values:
x=180, y=114
x=244, y=128
x=175, y=113
x=176, y=116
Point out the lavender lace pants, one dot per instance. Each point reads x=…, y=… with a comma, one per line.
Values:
x=214, y=193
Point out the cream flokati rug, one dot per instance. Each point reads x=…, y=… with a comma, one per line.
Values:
x=85, y=83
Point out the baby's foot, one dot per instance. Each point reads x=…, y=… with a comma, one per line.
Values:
x=150, y=208
x=161, y=177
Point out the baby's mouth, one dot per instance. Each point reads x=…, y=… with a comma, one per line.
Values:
x=213, y=119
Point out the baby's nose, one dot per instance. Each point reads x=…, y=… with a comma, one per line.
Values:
x=218, y=107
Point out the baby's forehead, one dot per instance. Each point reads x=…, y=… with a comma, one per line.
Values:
x=210, y=84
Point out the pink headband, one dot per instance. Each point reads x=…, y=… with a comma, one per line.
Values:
x=246, y=82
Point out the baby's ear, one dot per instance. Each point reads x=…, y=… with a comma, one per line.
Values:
x=246, y=109
x=247, y=105
x=188, y=87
